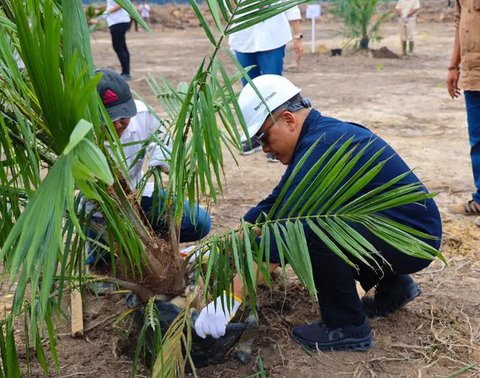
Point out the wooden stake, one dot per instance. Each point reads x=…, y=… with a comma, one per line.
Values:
x=77, y=313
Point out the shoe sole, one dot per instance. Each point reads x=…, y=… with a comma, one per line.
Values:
x=347, y=345
x=252, y=151
x=270, y=160
x=399, y=305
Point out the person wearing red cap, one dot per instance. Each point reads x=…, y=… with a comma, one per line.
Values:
x=135, y=124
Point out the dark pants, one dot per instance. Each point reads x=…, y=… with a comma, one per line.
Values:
x=472, y=101
x=118, y=32
x=335, y=280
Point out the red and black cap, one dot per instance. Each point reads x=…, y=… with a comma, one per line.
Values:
x=116, y=95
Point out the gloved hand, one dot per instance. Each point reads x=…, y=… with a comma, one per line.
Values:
x=162, y=165
x=157, y=158
x=213, y=318
x=102, y=17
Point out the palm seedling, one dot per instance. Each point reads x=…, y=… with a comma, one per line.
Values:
x=52, y=147
x=362, y=20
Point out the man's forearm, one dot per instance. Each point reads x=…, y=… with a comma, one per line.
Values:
x=455, y=60
x=295, y=24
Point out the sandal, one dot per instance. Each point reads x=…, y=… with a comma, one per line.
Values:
x=470, y=208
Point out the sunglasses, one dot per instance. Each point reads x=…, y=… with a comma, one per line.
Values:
x=262, y=138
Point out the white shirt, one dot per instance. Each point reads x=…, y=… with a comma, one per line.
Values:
x=144, y=10
x=117, y=17
x=141, y=128
x=267, y=35
x=406, y=6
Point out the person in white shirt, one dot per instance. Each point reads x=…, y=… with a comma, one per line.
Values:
x=407, y=11
x=263, y=46
x=135, y=125
x=144, y=10
x=118, y=21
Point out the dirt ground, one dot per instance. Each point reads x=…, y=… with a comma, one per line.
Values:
x=405, y=101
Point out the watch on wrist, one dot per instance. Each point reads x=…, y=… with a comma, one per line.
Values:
x=298, y=36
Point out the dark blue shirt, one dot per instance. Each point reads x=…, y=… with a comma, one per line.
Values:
x=423, y=217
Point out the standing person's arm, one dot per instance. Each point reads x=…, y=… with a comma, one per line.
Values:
x=414, y=9
x=294, y=16
x=398, y=9
x=454, y=69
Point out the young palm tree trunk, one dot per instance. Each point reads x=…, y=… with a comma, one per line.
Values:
x=162, y=266
x=364, y=42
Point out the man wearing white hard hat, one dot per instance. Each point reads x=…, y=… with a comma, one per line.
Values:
x=289, y=132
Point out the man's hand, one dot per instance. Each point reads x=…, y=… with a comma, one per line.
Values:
x=213, y=318
x=298, y=46
x=452, y=83
x=162, y=165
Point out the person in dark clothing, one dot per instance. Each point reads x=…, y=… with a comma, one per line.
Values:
x=289, y=132
x=119, y=23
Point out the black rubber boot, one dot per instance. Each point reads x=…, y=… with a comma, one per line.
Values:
x=319, y=336
x=404, y=48
x=389, y=297
x=410, y=47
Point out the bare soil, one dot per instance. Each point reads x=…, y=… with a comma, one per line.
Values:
x=405, y=101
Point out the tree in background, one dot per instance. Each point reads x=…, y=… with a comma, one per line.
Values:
x=362, y=20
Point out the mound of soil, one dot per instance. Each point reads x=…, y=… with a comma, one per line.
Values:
x=384, y=53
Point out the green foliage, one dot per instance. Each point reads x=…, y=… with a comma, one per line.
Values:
x=51, y=119
x=362, y=20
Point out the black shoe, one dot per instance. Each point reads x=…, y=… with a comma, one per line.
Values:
x=318, y=336
x=389, y=297
x=250, y=147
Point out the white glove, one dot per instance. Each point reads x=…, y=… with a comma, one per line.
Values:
x=213, y=319
x=162, y=165
x=102, y=17
x=157, y=158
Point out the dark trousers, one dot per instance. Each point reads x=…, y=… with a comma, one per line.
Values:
x=335, y=280
x=118, y=32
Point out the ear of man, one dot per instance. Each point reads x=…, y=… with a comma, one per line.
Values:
x=290, y=120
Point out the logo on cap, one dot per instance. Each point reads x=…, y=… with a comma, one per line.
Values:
x=109, y=97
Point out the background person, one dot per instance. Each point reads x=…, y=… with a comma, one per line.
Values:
x=407, y=11
x=263, y=46
x=118, y=21
x=289, y=133
x=466, y=53
x=144, y=11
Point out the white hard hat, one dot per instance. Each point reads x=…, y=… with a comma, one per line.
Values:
x=275, y=90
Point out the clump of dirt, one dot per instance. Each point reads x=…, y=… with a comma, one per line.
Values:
x=384, y=53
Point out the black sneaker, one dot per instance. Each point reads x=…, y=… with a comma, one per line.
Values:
x=389, y=297
x=250, y=147
x=271, y=158
x=318, y=336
